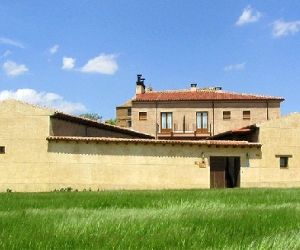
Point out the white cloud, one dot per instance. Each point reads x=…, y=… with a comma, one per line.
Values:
x=282, y=28
x=239, y=66
x=46, y=99
x=13, y=69
x=11, y=42
x=68, y=63
x=102, y=64
x=6, y=53
x=249, y=15
x=53, y=50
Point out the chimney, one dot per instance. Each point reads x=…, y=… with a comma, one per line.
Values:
x=148, y=89
x=140, y=86
x=193, y=87
x=217, y=88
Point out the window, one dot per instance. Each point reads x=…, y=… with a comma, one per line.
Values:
x=142, y=116
x=246, y=115
x=284, y=162
x=129, y=112
x=226, y=115
x=2, y=150
x=202, y=121
x=129, y=124
x=166, y=121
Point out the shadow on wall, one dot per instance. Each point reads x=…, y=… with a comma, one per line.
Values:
x=130, y=149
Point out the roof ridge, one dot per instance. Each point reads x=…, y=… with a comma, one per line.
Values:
x=212, y=91
x=252, y=94
x=168, y=91
x=204, y=94
x=183, y=90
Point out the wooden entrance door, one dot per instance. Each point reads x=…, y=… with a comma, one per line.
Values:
x=217, y=172
x=224, y=172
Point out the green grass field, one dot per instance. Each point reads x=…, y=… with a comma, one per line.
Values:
x=194, y=219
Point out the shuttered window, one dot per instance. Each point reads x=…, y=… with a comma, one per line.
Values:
x=246, y=115
x=226, y=115
x=142, y=116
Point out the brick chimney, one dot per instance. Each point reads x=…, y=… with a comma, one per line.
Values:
x=140, y=86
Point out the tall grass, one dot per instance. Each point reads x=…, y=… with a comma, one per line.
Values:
x=194, y=219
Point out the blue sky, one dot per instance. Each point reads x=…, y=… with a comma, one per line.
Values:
x=84, y=55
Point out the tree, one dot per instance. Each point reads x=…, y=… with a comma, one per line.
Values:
x=111, y=121
x=92, y=116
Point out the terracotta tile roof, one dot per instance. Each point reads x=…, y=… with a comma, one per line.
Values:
x=153, y=141
x=199, y=95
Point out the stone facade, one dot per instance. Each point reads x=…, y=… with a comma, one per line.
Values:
x=32, y=163
x=223, y=110
x=123, y=114
x=279, y=138
x=185, y=112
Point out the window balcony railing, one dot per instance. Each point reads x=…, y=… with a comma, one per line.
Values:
x=184, y=131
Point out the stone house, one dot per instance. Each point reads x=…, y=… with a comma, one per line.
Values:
x=195, y=113
x=123, y=114
x=44, y=150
